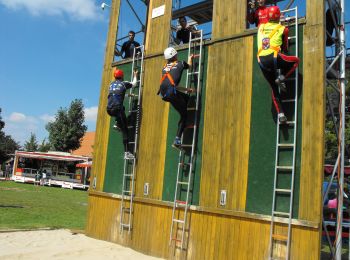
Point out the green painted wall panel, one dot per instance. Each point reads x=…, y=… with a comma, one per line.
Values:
x=115, y=151
x=172, y=155
x=263, y=143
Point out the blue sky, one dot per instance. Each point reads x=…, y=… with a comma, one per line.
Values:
x=52, y=51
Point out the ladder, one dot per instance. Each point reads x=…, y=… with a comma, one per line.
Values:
x=186, y=159
x=134, y=109
x=280, y=241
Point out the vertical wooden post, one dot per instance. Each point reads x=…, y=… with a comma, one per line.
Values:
x=103, y=120
x=313, y=116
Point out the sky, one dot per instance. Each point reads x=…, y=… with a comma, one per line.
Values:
x=52, y=52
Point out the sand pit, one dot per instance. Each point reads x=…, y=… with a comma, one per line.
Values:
x=61, y=244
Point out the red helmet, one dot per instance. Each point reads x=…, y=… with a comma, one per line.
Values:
x=273, y=13
x=118, y=74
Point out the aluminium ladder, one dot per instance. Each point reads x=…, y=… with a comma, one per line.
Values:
x=280, y=243
x=134, y=109
x=186, y=161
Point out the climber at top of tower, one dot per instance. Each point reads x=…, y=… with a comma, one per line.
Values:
x=276, y=67
x=257, y=13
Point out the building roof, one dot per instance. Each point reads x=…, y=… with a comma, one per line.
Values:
x=87, y=145
x=51, y=155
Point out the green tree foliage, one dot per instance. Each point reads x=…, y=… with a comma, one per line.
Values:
x=7, y=144
x=44, y=146
x=32, y=144
x=331, y=140
x=68, y=128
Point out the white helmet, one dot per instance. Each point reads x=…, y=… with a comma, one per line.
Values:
x=169, y=53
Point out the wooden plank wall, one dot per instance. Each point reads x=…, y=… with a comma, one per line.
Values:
x=158, y=29
x=313, y=122
x=103, y=119
x=227, y=110
x=154, y=124
x=211, y=236
x=230, y=13
x=151, y=158
x=227, y=123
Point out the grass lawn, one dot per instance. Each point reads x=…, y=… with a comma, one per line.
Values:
x=28, y=206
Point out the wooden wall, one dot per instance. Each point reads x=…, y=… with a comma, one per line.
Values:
x=310, y=203
x=215, y=232
x=103, y=120
x=212, y=235
x=227, y=123
x=151, y=159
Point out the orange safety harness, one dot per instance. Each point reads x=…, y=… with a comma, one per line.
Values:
x=276, y=49
x=168, y=75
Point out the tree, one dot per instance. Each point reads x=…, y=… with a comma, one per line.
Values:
x=44, y=146
x=7, y=144
x=66, y=131
x=331, y=140
x=31, y=145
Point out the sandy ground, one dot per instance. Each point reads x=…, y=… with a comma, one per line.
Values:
x=61, y=244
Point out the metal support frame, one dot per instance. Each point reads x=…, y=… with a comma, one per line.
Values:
x=143, y=27
x=338, y=7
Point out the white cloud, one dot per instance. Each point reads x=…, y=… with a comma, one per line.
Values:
x=77, y=9
x=17, y=117
x=20, y=126
x=91, y=114
x=47, y=118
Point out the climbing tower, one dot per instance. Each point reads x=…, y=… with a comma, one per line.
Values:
x=231, y=191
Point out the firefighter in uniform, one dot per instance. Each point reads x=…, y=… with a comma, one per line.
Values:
x=171, y=92
x=115, y=108
x=276, y=67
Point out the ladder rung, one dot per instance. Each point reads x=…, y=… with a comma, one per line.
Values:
x=131, y=142
x=283, y=190
x=286, y=145
x=290, y=122
x=131, y=126
x=288, y=100
x=193, y=73
x=191, y=108
x=176, y=240
x=125, y=225
x=186, y=145
x=183, y=183
x=183, y=164
x=195, y=39
x=279, y=237
x=179, y=221
x=292, y=37
x=278, y=213
x=284, y=167
x=126, y=209
x=128, y=175
x=127, y=191
x=180, y=202
x=290, y=79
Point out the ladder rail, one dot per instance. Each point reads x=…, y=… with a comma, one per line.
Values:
x=195, y=125
x=296, y=84
x=181, y=163
x=278, y=146
x=126, y=175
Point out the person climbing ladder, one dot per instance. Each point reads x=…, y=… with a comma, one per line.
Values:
x=276, y=67
x=170, y=91
x=115, y=106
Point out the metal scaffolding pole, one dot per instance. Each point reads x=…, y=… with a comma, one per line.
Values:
x=341, y=137
x=337, y=12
